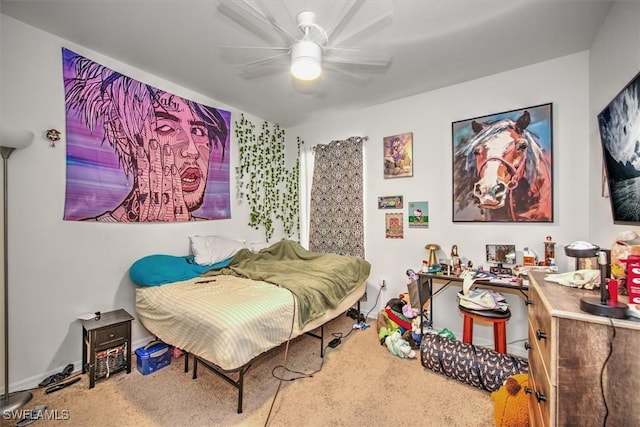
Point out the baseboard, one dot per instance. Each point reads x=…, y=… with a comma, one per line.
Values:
x=32, y=382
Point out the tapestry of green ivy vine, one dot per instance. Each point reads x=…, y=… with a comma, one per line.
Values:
x=271, y=191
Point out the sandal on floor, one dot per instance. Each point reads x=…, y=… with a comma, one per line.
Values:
x=56, y=378
x=30, y=416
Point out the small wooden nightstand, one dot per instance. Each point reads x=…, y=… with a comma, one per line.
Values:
x=104, y=337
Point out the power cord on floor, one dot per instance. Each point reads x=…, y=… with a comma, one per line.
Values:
x=339, y=336
x=375, y=304
x=604, y=398
x=286, y=356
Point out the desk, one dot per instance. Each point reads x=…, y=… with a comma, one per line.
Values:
x=425, y=290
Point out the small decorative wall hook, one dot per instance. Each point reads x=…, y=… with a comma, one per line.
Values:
x=53, y=136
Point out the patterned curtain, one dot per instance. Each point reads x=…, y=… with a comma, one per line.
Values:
x=336, y=198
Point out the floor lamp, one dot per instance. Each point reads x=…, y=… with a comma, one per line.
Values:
x=11, y=139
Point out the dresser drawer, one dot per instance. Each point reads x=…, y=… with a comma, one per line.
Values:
x=540, y=334
x=541, y=398
x=536, y=418
x=111, y=336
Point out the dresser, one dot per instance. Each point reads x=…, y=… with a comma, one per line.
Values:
x=583, y=368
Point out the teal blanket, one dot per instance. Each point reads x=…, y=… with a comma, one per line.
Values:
x=319, y=281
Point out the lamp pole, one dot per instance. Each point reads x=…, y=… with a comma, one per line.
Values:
x=10, y=401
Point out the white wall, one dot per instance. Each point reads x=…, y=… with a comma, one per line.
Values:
x=61, y=269
x=614, y=61
x=563, y=81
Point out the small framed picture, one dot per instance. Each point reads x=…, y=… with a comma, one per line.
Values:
x=418, y=215
x=394, y=228
x=398, y=155
x=390, y=202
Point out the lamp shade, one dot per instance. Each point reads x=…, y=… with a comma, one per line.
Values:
x=15, y=138
x=305, y=60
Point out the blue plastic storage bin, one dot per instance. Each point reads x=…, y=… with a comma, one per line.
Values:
x=153, y=356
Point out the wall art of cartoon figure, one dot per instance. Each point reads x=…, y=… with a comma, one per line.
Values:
x=136, y=153
x=398, y=155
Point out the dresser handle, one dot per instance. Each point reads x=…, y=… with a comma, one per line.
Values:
x=541, y=335
x=111, y=335
x=528, y=302
x=527, y=346
x=527, y=390
x=541, y=397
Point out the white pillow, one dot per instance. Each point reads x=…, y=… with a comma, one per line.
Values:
x=209, y=250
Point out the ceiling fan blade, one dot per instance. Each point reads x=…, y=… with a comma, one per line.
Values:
x=248, y=18
x=242, y=54
x=362, y=33
x=264, y=66
x=350, y=9
x=358, y=57
x=286, y=35
x=267, y=60
x=341, y=70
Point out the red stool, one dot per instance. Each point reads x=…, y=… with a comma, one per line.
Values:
x=497, y=318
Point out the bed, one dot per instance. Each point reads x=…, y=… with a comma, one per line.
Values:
x=227, y=316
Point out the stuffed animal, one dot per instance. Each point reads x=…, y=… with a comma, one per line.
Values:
x=511, y=403
x=399, y=347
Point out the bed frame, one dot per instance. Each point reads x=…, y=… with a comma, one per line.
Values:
x=238, y=382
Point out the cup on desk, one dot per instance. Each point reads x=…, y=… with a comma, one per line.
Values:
x=612, y=288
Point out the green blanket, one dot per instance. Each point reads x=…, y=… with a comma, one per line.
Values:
x=319, y=281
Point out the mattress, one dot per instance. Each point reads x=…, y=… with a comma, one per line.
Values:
x=226, y=320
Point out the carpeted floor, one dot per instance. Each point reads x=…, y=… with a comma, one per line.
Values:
x=361, y=383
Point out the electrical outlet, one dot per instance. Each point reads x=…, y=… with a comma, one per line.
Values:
x=383, y=284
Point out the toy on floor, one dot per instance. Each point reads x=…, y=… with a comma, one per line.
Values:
x=399, y=347
x=511, y=406
x=392, y=319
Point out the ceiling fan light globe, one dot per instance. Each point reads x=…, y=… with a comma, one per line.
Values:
x=306, y=60
x=306, y=69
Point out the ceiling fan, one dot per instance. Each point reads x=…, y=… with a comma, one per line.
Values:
x=308, y=50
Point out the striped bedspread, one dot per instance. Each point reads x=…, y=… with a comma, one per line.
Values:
x=228, y=320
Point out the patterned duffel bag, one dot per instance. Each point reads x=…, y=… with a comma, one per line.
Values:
x=477, y=366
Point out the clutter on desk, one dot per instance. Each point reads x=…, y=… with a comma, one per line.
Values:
x=483, y=299
x=454, y=261
x=480, y=299
x=524, y=271
x=584, y=279
x=432, y=248
x=426, y=268
x=549, y=251
x=529, y=257
x=625, y=264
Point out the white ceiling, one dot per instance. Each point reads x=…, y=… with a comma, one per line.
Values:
x=434, y=43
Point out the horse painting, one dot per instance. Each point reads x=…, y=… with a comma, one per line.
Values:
x=502, y=172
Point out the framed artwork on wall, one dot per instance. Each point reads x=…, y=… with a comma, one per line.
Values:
x=390, y=202
x=398, y=155
x=619, y=126
x=418, y=214
x=393, y=225
x=503, y=166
